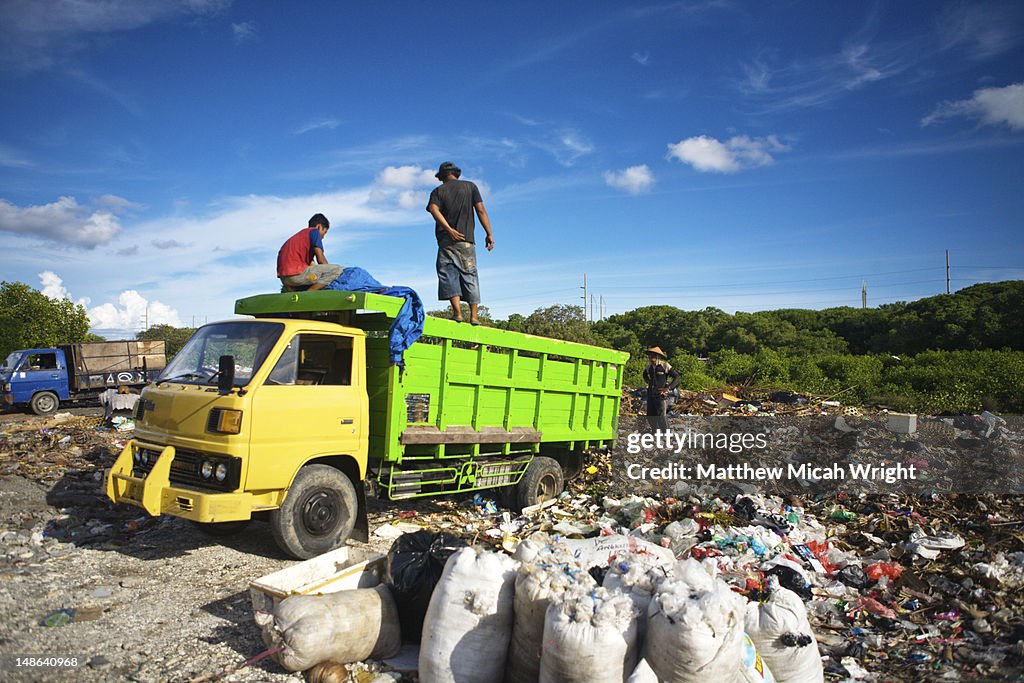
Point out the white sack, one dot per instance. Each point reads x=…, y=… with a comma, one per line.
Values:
x=548, y=570
x=694, y=628
x=638, y=577
x=643, y=673
x=347, y=626
x=469, y=621
x=783, y=636
x=599, y=551
x=589, y=637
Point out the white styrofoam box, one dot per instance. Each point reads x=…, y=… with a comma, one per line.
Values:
x=902, y=423
x=341, y=569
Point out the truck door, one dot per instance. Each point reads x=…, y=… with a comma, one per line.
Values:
x=312, y=404
x=41, y=371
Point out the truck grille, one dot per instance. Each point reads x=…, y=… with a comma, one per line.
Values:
x=185, y=470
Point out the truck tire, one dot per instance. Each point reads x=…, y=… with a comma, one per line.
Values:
x=318, y=513
x=543, y=480
x=45, y=403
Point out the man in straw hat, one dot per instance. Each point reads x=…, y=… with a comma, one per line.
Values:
x=661, y=378
x=452, y=205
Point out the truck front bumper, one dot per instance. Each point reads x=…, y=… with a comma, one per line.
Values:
x=155, y=494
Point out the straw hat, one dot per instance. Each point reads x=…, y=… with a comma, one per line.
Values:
x=657, y=350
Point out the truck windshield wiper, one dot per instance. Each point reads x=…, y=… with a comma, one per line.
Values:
x=184, y=375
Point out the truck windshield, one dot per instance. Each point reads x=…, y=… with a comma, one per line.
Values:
x=198, y=362
x=11, y=361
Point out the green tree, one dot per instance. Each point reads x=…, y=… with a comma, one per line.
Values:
x=29, y=318
x=560, y=322
x=174, y=337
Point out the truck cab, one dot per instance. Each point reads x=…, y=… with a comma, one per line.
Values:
x=36, y=377
x=242, y=411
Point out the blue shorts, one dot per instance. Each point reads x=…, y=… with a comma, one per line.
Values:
x=456, y=272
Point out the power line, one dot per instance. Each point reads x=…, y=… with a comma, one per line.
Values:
x=778, y=282
x=789, y=291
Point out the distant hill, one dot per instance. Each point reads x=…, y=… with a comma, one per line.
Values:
x=982, y=316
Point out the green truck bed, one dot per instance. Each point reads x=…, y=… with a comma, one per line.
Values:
x=473, y=405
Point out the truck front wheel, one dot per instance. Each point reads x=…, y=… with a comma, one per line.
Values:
x=542, y=481
x=45, y=403
x=318, y=513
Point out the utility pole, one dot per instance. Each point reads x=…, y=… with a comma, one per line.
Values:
x=585, y=295
x=863, y=294
x=591, y=306
x=947, y=271
x=601, y=308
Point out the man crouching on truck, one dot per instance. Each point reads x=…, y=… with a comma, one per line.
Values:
x=295, y=264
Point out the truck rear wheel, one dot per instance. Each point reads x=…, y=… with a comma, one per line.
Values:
x=543, y=480
x=318, y=513
x=45, y=403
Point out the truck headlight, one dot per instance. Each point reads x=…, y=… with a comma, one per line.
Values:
x=221, y=472
x=206, y=469
x=225, y=421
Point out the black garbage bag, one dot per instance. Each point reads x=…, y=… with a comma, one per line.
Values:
x=414, y=567
x=790, y=579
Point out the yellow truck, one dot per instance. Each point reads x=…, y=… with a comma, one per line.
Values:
x=291, y=415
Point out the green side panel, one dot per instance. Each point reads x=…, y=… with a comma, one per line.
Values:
x=460, y=375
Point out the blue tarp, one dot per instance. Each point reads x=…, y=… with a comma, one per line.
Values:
x=408, y=324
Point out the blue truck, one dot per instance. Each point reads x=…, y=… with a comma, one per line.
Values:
x=42, y=379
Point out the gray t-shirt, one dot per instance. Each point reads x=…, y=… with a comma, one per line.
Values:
x=456, y=199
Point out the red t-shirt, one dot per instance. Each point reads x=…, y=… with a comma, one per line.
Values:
x=296, y=254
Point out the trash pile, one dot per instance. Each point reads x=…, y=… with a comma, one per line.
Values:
x=740, y=401
x=66, y=455
x=893, y=586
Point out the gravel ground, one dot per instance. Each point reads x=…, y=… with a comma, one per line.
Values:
x=155, y=600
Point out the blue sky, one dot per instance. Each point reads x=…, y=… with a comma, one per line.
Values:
x=155, y=154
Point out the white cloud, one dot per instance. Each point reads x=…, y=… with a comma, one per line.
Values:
x=34, y=34
x=132, y=312
x=708, y=154
x=64, y=220
x=243, y=32
x=169, y=244
x=984, y=29
x=993, y=106
x=53, y=287
x=319, y=124
x=641, y=57
x=634, y=180
x=13, y=159
x=574, y=146
x=405, y=177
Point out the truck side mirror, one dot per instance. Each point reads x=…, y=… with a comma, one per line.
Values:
x=226, y=377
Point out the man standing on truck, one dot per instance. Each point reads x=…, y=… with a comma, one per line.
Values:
x=452, y=205
x=661, y=378
x=295, y=259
